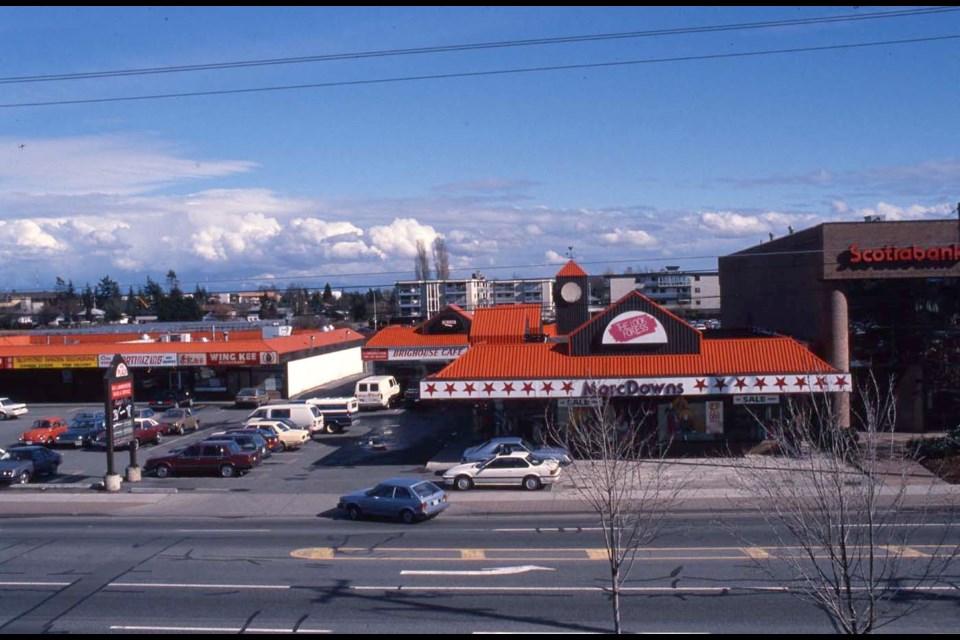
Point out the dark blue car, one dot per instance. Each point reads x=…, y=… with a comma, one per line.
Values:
x=406, y=499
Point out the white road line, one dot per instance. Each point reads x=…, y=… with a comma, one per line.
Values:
x=496, y=571
x=222, y=530
x=677, y=590
x=548, y=530
x=118, y=627
x=175, y=585
x=35, y=584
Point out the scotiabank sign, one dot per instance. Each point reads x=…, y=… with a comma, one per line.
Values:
x=900, y=256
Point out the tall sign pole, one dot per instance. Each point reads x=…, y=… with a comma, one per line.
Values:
x=118, y=411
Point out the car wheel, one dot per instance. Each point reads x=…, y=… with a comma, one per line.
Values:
x=328, y=428
x=197, y=426
x=283, y=446
x=181, y=431
x=51, y=442
x=532, y=483
x=158, y=439
x=164, y=471
x=228, y=471
x=53, y=470
x=353, y=512
x=407, y=516
x=3, y=416
x=23, y=478
x=463, y=483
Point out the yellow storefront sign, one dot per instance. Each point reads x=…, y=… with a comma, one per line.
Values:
x=55, y=362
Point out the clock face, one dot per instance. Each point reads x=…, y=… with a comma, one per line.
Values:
x=570, y=292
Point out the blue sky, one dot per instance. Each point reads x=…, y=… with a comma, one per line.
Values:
x=633, y=165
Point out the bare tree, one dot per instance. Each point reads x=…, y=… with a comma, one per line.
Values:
x=622, y=476
x=843, y=510
x=421, y=263
x=441, y=258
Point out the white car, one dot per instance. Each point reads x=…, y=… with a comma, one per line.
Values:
x=290, y=436
x=516, y=469
x=11, y=409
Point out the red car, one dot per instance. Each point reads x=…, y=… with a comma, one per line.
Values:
x=221, y=457
x=44, y=431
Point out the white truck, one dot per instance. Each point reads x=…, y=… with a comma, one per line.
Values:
x=10, y=409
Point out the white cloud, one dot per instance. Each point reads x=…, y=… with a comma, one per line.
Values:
x=633, y=237
x=533, y=230
x=317, y=231
x=911, y=212
x=399, y=238
x=728, y=223
x=552, y=257
x=27, y=236
x=104, y=164
x=352, y=251
x=242, y=235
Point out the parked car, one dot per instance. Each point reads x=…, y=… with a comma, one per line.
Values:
x=83, y=429
x=248, y=439
x=411, y=396
x=166, y=398
x=519, y=469
x=21, y=464
x=273, y=440
x=338, y=413
x=148, y=430
x=44, y=431
x=500, y=446
x=144, y=412
x=220, y=457
x=176, y=420
x=11, y=409
x=291, y=437
x=304, y=416
x=255, y=396
x=407, y=499
x=378, y=392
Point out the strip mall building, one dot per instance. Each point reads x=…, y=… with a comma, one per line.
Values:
x=644, y=359
x=211, y=363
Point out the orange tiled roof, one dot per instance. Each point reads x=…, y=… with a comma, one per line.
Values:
x=504, y=324
x=546, y=360
x=299, y=341
x=571, y=269
x=397, y=336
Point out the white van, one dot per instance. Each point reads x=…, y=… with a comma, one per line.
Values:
x=305, y=416
x=338, y=413
x=377, y=391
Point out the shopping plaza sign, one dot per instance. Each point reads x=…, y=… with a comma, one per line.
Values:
x=434, y=354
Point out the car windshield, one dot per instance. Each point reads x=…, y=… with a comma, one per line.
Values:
x=173, y=413
x=15, y=455
x=425, y=489
x=247, y=392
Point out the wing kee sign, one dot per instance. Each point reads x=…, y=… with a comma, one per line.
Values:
x=241, y=358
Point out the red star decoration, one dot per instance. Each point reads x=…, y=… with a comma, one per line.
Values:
x=568, y=387
x=548, y=387
x=450, y=388
x=720, y=384
x=800, y=382
x=781, y=383
x=700, y=384
x=841, y=381
x=508, y=387
x=821, y=381
x=469, y=388
x=528, y=387
x=741, y=383
x=488, y=388
x=760, y=383
x=431, y=389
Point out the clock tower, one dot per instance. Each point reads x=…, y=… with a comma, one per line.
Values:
x=571, y=295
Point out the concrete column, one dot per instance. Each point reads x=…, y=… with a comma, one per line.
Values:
x=838, y=344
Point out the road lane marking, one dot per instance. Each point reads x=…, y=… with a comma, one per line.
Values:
x=637, y=590
x=906, y=552
x=597, y=554
x=496, y=571
x=757, y=553
x=178, y=585
x=35, y=584
x=317, y=553
x=222, y=530
x=118, y=627
x=472, y=554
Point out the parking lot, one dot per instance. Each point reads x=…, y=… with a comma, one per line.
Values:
x=379, y=444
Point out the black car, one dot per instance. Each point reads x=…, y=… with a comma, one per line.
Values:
x=248, y=440
x=81, y=433
x=166, y=398
x=20, y=464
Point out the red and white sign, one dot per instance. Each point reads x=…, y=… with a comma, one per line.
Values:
x=233, y=358
x=374, y=354
x=140, y=360
x=634, y=327
x=120, y=390
x=192, y=359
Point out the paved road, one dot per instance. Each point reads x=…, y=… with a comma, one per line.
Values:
x=453, y=575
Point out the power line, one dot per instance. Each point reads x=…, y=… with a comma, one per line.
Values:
x=237, y=64
x=479, y=74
